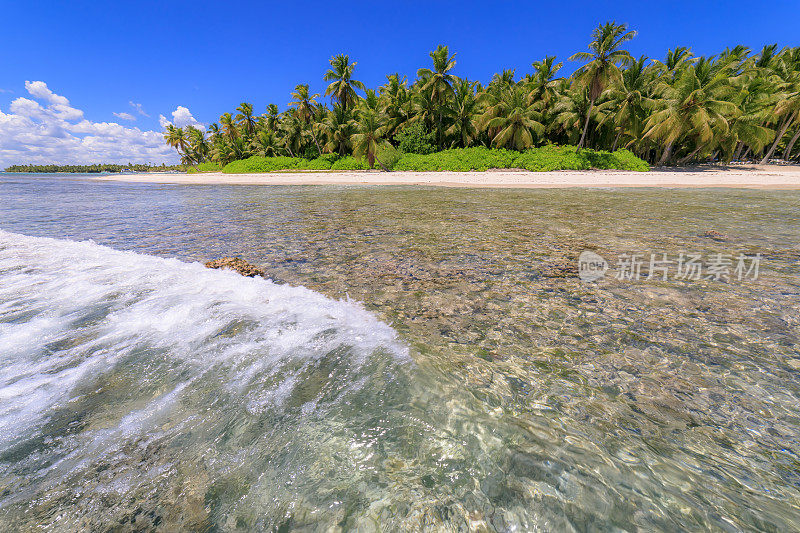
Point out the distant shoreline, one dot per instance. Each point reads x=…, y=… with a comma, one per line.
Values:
x=744, y=177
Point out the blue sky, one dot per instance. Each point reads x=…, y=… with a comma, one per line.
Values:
x=209, y=56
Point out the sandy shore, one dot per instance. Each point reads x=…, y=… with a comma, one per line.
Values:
x=752, y=176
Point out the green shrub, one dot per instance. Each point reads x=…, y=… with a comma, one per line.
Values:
x=414, y=139
x=388, y=155
x=330, y=158
x=551, y=157
x=319, y=163
x=457, y=160
x=545, y=158
x=548, y=158
x=191, y=170
x=601, y=159
x=627, y=160
x=209, y=166
x=350, y=163
x=262, y=164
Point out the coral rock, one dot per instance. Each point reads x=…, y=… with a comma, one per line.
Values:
x=238, y=264
x=715, y=235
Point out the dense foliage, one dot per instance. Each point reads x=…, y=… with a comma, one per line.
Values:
x=455, y=160
x=414, y=139
x=91, y=169
x=683, y=109
x=209, y=166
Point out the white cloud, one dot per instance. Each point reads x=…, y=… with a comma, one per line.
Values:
x=59, y=105
x=125, y=116
x=27, y=108
x=181, y=117
x=138, y=108
x=39, y=90
x=65, y=112
x=51, y=131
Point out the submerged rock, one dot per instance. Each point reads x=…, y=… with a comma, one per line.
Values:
x=715, y=235
x=237, y=264
x=563, y=268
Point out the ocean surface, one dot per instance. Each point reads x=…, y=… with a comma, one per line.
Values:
x=420, y=359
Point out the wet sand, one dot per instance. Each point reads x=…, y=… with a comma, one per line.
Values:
x=744, y=176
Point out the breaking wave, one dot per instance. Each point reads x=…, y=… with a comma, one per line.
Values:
x=103, y=352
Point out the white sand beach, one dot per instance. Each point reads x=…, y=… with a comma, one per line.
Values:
x=749, y=176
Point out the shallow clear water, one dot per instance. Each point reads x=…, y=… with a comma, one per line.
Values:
x=438, y=368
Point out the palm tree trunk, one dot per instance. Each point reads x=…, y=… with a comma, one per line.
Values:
x=684, y=160
x=738, y=152
x=778, y=138
x=788, y=152
x=439, y=132
x=586, y=124
x=666, y=155
x=616, y=140
x=314, y=136
x=381, y=164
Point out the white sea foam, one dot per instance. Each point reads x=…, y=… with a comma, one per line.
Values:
x=81, y=320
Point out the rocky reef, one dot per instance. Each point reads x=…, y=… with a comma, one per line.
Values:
x=237, y=264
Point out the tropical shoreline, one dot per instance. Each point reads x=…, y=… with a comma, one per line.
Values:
x=743, y=177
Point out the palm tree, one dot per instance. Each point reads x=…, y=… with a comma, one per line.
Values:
x=228, y=126
x=568, y=113
x=754, y=97
x=543, y=84
x=787, y=110
x=503, y=80
x=694, y=108
x=677, y=59
x=371, y=100
x=603, y=59
x=305, y=104
x=343, y=86
x=462, y=112
x=626, y=102
x=439, y=82
x=292, y=128
x=396, y=102
x=266, y=143
x=791, y=56
x=515, y=122
x=272, y=117
x=245, y=118
x=240, y=148
x=176, y=138
x=425, y=107
x=303, y=101
x=198, y=145
x=369, y=136
x=339, y=128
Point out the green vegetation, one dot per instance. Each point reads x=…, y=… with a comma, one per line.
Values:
x=454, y=159
x=209, y=166
x=350, y=163
x=93, y=169
x=619, y=111
x=536, y=159
x=271, y=164
x=413, y=139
